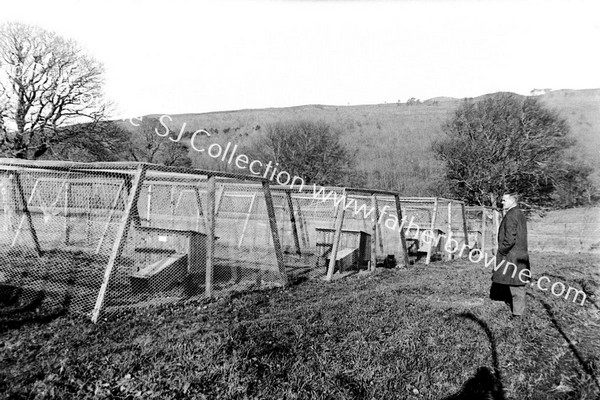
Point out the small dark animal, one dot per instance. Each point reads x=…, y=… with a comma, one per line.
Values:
x=390, y=261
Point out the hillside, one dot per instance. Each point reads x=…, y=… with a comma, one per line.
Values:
x=392, y=140
x=572, y=230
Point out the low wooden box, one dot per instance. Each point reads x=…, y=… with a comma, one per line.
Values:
x=160, y=275
x=347, y=258
x=176, y=268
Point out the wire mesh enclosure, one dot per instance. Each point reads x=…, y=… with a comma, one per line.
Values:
x=365, y=221
x=355, y=229
x=99, y=237
x=482, y=225
x=436, y=227
x=95, y=238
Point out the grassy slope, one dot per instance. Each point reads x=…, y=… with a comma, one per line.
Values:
x=581, y=108
x=421, y=333
x=571, y=231
x=393, y=141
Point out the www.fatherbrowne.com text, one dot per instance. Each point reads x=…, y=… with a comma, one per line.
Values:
x=269, y=171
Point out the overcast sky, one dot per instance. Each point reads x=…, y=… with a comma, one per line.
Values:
x=199, y=56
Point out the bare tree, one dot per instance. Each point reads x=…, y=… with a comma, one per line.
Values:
x=48, y=88
x=146, y=143
x=148, y=146
x=309, y=149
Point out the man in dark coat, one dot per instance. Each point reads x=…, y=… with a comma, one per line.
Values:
x=512, y=260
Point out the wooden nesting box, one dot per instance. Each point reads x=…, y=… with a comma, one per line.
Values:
x=346, y=259
x=173, y=269
x=354, y=248
x=160, y=275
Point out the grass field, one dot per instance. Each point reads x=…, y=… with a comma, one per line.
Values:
x=417, y=333
x=571, y=230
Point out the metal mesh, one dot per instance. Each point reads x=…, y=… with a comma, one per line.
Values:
x=60, y=215
x=443, y=218
x=315, y=222
x=99, y=237
x=482, y=225
x=96, y=238
x=368, y=229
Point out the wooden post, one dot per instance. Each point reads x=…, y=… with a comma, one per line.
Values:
x=18, y=194
x=67, y=214
x=149, y=205
x=8, y=210
x=336, y=209
x=288, y=195
x=339, y=222
x=88, y=215
x=199, y=214
x=121, y=236
x=24, y=202
x=449, y=236
x=432, y=231
x=113, y=207
x=402, y=243
x=374, y=235
x=219, y=198
x=483, y=230
x=247, y=220
x=303, y=228
x=379, y=233
x=274, y=232
x=464, y=218
x=172, y=206
x=281, y=218
x=496, y=229
x=210, y=240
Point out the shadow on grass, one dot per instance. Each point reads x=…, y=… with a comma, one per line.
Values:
x=298, y=280
x=24, y=306
x=485, y=384
x=28, y=313
x=585, y=365
x=19, y=320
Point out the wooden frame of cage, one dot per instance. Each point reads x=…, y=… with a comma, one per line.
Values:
x=496, y=216
x=67, y=184
x=134, y=175
x=375, y=229
x=435, y=209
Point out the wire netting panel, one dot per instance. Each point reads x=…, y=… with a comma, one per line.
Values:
x=450, y=224
x=165, y=257
x=377, y=216
x=64, y=215
x=65, y=227
x=419, y=215
x=245, y=251
x=389, y=225
x=95, y=238
x=459, y=223
x=444, y=217
x=315, y=217
x=482, y=228
x=369, y=232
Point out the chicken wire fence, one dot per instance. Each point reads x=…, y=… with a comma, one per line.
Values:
x=482, y=226
x=96, y=238
x=436, y=227
x=100, y=237
x=349, y=229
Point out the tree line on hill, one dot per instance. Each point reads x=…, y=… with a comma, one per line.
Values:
x=52, y=107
